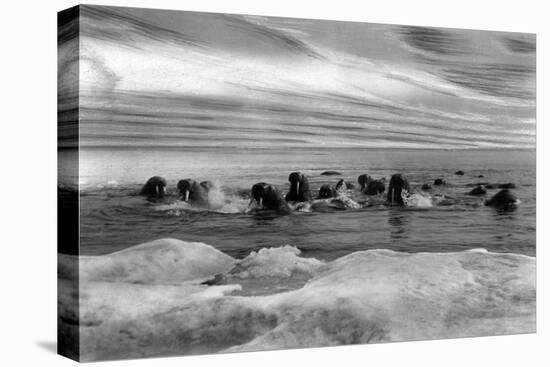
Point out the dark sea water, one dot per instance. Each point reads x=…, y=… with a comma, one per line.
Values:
x=445, y=219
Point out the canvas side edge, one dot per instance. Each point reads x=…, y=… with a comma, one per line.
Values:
x=68, y=295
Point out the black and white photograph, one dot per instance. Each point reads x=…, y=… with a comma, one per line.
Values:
x=236, y=183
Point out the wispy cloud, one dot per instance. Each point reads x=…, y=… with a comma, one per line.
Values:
x=195, y=79
x=433, y=40
x=518, y=44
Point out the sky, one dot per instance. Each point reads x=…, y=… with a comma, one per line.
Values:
x=169, y=79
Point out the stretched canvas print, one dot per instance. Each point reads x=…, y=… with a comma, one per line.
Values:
x=234, y=183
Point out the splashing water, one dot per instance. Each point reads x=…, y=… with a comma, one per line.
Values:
x=222, y=202
x=417, y=200
x=218, y=201
x=115, y=217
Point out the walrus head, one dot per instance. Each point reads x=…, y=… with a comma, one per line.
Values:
x=299, y=187
x=295, y=178
x=326, y=192
x=257, y=193
x=187, y=188
x=362, y=180
x=503, y=200
x=155, y=187
x=268, y=197
x=477, y=191
x=397, y=187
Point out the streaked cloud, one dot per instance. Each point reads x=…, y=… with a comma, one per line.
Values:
x=173, y=79
x=434, y=40
x=519, y=44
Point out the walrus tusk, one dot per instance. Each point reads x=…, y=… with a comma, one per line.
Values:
x=186, y=195
x=250, y=202
x=157, y=190
x=298, y=188
x=392, y=195
x=261, y=201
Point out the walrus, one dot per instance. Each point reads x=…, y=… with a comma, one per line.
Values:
x=155, y=187
x=191, y=191
x=504, y=199
x=362, y=181
x=331, y=173
x=370, y=186
x=439, y=181
x=299, y=188
x=398, y=187
x=477, y=191
x=268, y=197
x=326, y=191
x=459, y=173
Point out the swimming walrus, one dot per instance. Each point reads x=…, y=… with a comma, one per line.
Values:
x=299, y=188
x=370, y=186
x=398, y=187
x=268, y=197
x=326, y=191
x=504, y=199
x=155, y=187
x=477, y=191
x=191, y=191
x=331, y=173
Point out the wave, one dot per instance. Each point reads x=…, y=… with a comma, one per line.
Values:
x=175, y=297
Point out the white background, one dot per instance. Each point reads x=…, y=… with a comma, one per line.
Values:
x=28, y=182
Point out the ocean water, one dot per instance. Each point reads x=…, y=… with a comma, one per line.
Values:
x=159, y=278
x=444, y=219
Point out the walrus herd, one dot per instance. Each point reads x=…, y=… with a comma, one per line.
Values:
x=267, y=196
